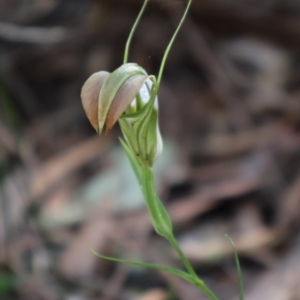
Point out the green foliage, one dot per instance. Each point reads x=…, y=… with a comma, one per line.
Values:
x=8, y=283
x=238, y=266
x=169, y=270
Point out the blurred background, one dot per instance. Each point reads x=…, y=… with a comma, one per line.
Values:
x=230, y=118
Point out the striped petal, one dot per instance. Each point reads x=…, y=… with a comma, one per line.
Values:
x=125, y=95
x=90, y=94
x=111, y=87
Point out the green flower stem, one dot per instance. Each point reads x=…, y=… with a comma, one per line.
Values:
x=163, y=226
x=160, y=218
x=197, y=282
x=182, y=256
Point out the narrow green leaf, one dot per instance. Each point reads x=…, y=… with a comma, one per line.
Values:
x=238, y=266
x=130, y=136
x=138, y=171
x=169, y=270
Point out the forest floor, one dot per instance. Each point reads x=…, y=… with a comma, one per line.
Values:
x=230, y=119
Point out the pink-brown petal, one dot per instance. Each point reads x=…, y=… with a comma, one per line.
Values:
x=125, y=95
x=90, y=94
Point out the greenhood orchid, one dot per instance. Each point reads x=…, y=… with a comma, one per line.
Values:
x=126, y=95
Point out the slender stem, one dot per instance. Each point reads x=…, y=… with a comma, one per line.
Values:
x=205, y=289
x=182, y=256
x=126, y=52
x=152, y=203
x=169, y=47
x=197, y=282
x=151, y=200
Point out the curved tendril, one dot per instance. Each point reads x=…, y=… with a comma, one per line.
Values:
x=126, y=52
x=169, y=47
